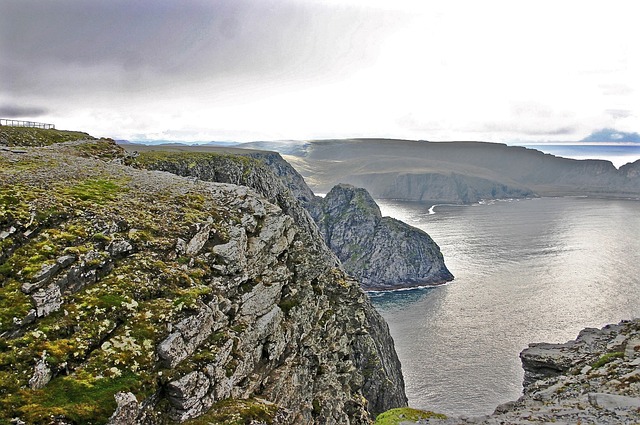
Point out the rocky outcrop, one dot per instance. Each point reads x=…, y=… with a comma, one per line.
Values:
x=381, y=252
x=174, y=298
x=594, y=379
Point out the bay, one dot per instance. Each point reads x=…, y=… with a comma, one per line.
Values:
x=525, y=271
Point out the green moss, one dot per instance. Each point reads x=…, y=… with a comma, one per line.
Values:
x=99, y=191
x=237, y=412
x=83, y=401
x=399, y=415
x=287, y=304
x=606, y=358
x=105, y=149
x=13, y=303
x=26, y=136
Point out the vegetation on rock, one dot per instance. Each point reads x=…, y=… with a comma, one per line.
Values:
x=197, y=298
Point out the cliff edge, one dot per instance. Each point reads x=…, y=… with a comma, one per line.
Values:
x=141, y=297
x=381, y=252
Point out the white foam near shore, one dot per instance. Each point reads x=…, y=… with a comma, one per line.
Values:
x=410, y=288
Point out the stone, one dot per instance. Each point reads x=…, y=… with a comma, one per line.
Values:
x=187, y=394
x=41, y=374
x=127, y=411
x=190, y=333
x=261, y=299
x=197, y=242
x=119, y=248
x=47, y=300
x=632, y=349
x=613, y=401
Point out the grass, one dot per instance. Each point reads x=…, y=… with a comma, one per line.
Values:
x=607, y=358
x=99, y=191
x=237, y=412
x=75, y=399
x=397, y=416
x=27, y=136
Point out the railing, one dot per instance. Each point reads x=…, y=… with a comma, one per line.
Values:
x=20, y=123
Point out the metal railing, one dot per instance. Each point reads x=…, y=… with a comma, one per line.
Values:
x=21, y=123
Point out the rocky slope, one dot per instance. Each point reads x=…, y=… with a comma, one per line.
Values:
x=460, y=172
x=594, y=379
x=150, y=298
x=381, y=252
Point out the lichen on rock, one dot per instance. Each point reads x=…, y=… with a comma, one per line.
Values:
x=189, y=296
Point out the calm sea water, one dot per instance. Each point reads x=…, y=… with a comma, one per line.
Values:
x=526, y=271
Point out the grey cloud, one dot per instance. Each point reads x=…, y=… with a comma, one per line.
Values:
x=619, y=113
x=17, y=111
x=533, y=128
x=123, y=45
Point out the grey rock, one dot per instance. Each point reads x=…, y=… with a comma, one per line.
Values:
x=632, y=348
x=127, y=411
x=613, y=401
x=190, y=333
x=381, y=252
x=47, y=300
x=41, y=374
x=199, y=239
x=186, y=395
x=120, y=248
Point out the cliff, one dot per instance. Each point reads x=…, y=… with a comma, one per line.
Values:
x=594, y=379
x=135, y=296
x=458, y=172
x=381, y=252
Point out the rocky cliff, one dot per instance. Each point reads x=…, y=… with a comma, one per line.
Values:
x=381, y=252
x=133, y=296
x=458, y=172
x=594, y=379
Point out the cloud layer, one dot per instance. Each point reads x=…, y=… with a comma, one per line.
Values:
x=243, y=70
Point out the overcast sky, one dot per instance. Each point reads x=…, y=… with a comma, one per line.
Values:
x=502, y=71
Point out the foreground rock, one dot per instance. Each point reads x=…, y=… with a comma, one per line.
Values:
x=381, y=252
x=594, y=379
x=141, y=297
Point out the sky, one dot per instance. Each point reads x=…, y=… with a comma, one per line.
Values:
x=243, y=70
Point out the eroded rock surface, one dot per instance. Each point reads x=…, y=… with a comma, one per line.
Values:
x=383, y=253
x=193, y=298
x=594, y=379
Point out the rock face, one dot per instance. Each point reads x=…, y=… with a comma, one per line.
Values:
x=170, y=298
x=594, y=379
x=383, y=253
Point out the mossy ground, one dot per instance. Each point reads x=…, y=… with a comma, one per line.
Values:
x=238, y=412
x=27, y=136
x=397, y=416
x=103, y=338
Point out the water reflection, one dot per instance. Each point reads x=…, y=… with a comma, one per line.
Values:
x=525, y=271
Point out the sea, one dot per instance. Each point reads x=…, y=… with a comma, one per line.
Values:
x=529, y=270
